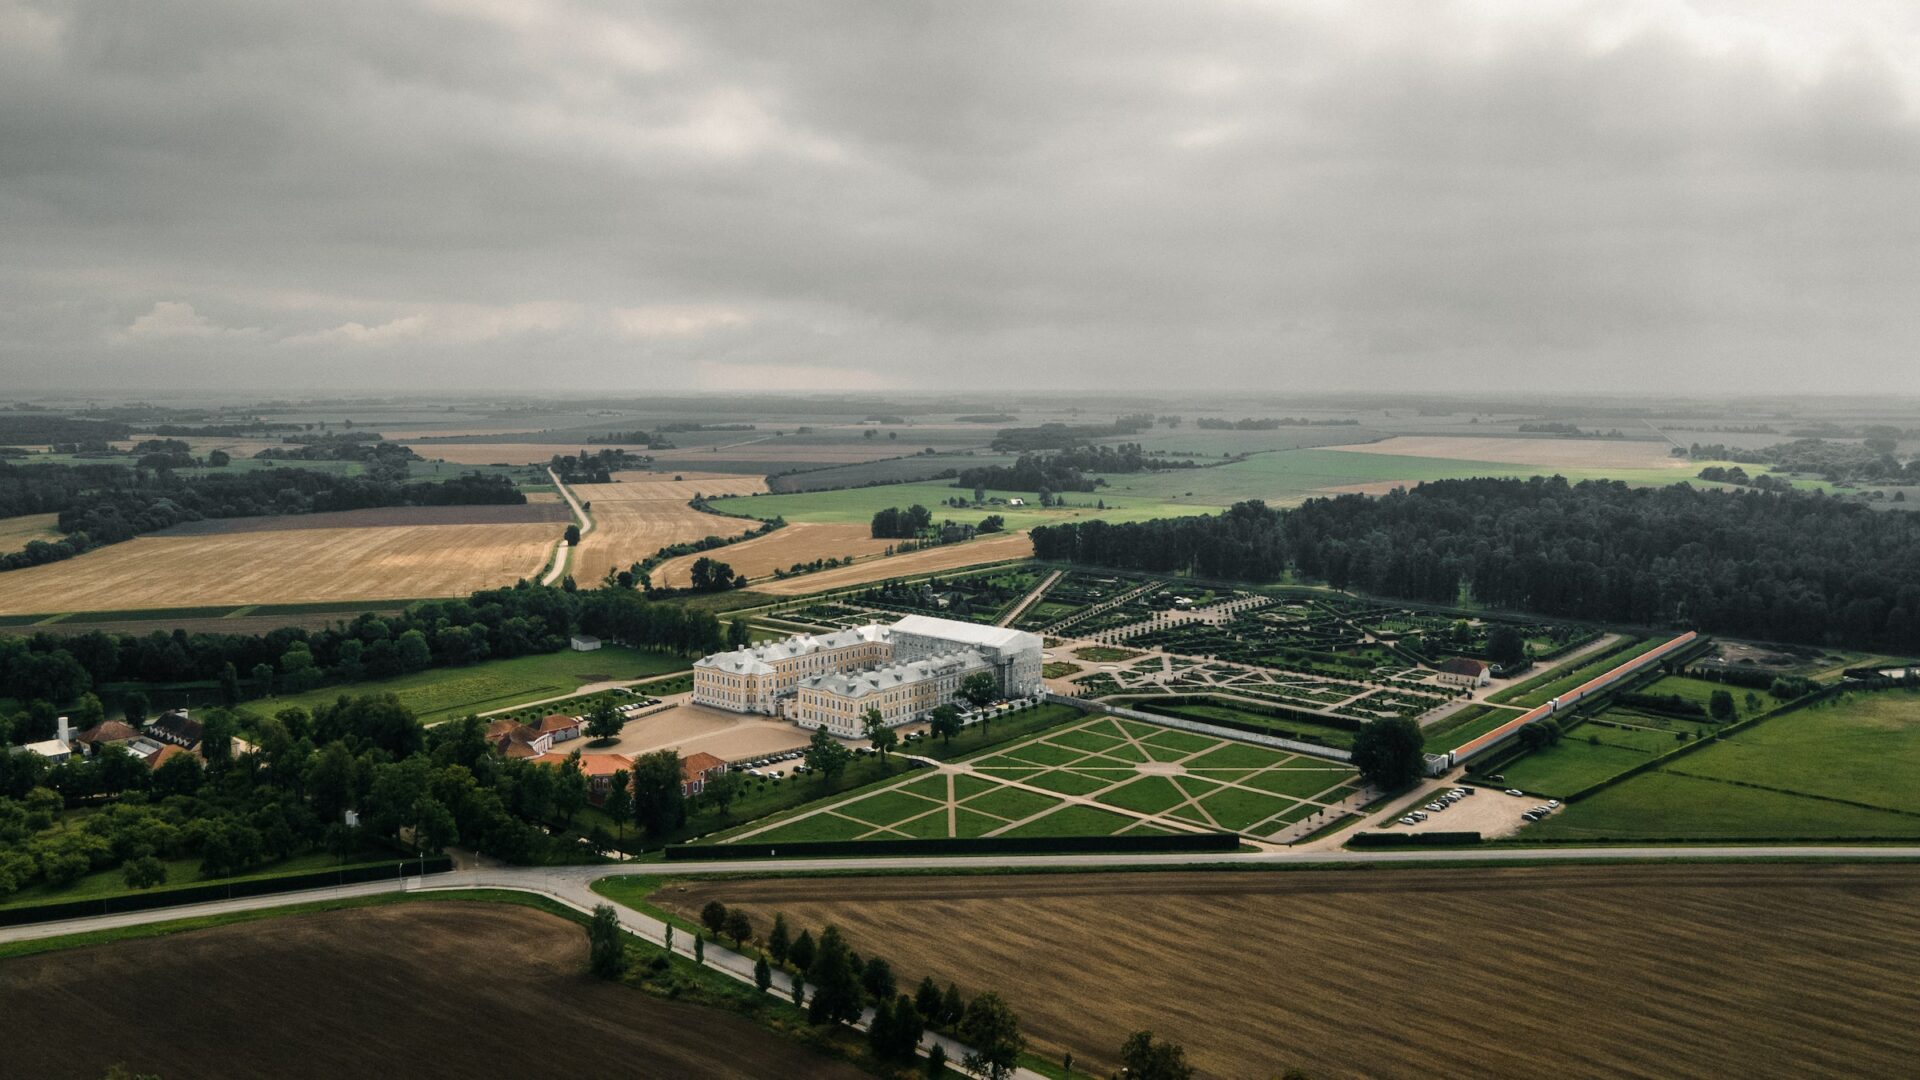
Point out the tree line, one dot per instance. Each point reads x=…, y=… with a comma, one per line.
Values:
x=47, y=671
x=1779, y=566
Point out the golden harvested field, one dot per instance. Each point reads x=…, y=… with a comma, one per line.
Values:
x=282, y=566
x=1595, y=971
x=642, y=512
x=18, y=532
x=798, y=542
x=506, y=453
x=946, y=557
x=1547, y=453
x=422, y=988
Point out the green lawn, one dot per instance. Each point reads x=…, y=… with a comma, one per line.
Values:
x=1862, y=747
x=858, y=505
x=1466, y=725
x=1571, y=765
x=1538, y=692
x=1147, y=795
x=1073, y=821
x=1235, y=809
x=1700, y=692
x=449, y=693
x=1664, y=805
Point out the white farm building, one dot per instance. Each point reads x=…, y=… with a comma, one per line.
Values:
x=904, y=670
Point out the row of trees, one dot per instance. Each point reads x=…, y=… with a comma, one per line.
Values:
x=1785, y=567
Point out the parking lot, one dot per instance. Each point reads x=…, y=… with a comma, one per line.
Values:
x=1488, y=811
x=693, y=729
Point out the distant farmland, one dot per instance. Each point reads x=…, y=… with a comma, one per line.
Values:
x=643, y=512
x=1603, y=971
x=282, y=566
x=758, y=558
x=945, y=557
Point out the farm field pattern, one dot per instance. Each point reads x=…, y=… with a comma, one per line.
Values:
x=1672, y=971
x=282, y=566
x=642, y=512
x=391, y=976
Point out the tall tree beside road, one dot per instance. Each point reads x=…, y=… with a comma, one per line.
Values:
x=604, y=721
x=659, y=803
x=1145, y=1059
x=879, y=736
x=826, y=757
x=606, y=949
x=993, y=1032
x=1389, y=753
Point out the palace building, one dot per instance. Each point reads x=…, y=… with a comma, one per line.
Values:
x=904, y=670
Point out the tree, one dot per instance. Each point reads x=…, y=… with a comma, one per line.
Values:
x=826, y=757
x=908, y=1027
x=714, y=917
x=836, y=986
x=945, y=722
x=144, y=872
x=739, y=635
x=219, y=459
x=572, y=536
x=1145, y=1059
x=936, y=1064
x=879, y=736
x=779, y=939
x=722, y=788
x=1720, y=705
x=1505, y=645
x=880, y=1030
x=711, y=575
x=993, y=1032
x=263, y=678
x=926, y=999
x=877, y=978
x=801, y=953
x=699, y=949
x=992, y=523
x=979, y=689
x=230, y=684
x=1388, y=752
x=762, y=974
x=606, y=951
x=619, y=802
x=952, y=1006
x=739, y=927
x=659, y=801
x=604, y=721
x=434, y=826
x=134, y=707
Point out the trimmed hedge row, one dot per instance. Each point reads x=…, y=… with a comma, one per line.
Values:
x=196, y=894
x=1413, y=839
x=986, y=845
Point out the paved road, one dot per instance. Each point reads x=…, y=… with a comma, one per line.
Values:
x=580, y=517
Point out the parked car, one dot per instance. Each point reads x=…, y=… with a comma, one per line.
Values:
x=1498, y=778
x=1531, y=816
x=1420, y=815
x=1515, y=792
x=1553, y=804
x=1409, y=820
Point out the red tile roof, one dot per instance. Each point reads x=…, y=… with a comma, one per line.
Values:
x=557, y=722
x=165, y=754
x=695, y=766
x=110, y=731
x=1460, y=665
x=591, y=765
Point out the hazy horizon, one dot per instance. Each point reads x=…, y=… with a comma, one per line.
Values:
x=576, y=199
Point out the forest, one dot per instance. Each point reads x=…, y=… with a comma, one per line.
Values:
x=1799, y=567
x=1067, y=470
x=105, y=504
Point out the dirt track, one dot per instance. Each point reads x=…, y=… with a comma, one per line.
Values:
x=1640, y=971
x=419, y=989
x=518, y=514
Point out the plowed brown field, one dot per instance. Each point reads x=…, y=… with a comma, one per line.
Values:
x=798, y=542
x=286, y=566
x=417, y=989
x=1600, y=971
x=948, y=557
x=18, y=532
x=642, y=512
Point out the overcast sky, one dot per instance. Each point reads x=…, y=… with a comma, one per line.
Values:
x=541, y=194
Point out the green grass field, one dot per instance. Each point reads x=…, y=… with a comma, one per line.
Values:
x=1466, y=725
x=1840, y=768
x=181, y=873
x=1025, y=787
x=1536, y=692
x=858, y=505
x=449, y=693
x=1571, y=765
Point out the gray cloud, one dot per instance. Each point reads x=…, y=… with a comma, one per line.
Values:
x=527, y=195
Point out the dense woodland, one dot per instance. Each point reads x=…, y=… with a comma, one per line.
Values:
x=1782, y=567
x=105, y=504
x=1067, y=470
x=1057, y=436
x=1872, y=460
